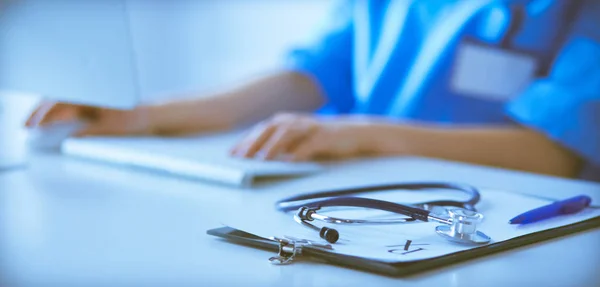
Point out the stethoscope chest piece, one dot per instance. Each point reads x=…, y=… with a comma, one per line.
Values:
x=463, y=228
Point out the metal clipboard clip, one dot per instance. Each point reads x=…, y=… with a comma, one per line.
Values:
x=291, y=247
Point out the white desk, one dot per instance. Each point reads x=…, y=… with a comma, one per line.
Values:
x=65, y=222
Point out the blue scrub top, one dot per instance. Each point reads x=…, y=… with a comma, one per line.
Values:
x=396, y=58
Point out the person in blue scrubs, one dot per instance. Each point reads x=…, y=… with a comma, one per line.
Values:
x=514, y=84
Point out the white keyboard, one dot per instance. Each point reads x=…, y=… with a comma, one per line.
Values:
x=204, y=157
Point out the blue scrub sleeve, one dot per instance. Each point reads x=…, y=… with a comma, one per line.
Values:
x=566, y=105
x=328, y=60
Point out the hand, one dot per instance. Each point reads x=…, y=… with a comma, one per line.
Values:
x=299, y=137
x=100, y=121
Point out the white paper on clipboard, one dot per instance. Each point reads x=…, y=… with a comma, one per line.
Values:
x=390, y=243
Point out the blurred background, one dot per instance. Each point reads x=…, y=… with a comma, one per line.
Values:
x=190, y=45
x=233, y=39
x=174, y=46
x=118, y=53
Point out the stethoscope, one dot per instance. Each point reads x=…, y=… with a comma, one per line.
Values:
x=459, y=224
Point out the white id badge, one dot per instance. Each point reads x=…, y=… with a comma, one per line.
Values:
x=491, y=73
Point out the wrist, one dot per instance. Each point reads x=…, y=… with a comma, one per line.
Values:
x=150, y=117
x=389, y=139
x=186, y=116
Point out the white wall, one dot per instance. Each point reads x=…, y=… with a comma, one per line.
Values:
x=201, y=45
x=98, y=52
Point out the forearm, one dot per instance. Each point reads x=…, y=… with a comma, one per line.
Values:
x=286, y=91
x=508, y=147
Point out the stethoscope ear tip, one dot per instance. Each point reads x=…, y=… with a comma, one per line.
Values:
x=329, y=234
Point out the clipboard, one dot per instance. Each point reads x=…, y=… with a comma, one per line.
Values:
x=403, y=249
x=299, y=250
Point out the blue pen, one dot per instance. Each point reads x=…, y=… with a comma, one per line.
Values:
x=566, y=206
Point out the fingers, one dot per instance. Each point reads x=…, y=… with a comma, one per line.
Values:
x=59, y=113
x=275, y=137
x=284, y=139
x=309, y=149
x=50, y=112
x=252, y=143
x=38, y=113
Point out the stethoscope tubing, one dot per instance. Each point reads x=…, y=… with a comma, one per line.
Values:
x=308, y=205
x=340, y=197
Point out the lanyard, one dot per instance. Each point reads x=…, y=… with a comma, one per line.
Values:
x=517, y=17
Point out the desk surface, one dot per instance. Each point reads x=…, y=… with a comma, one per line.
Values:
x=67, y=222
